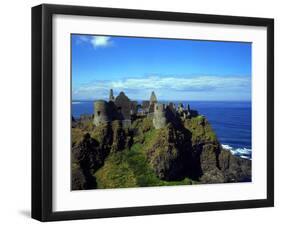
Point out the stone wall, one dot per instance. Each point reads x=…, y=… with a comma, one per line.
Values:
x=159, y=117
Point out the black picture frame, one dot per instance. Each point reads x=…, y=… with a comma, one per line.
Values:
x=42, y=111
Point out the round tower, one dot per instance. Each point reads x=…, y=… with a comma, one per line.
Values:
x=100, y=112
x=159, y=116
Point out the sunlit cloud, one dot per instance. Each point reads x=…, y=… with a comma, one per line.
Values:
x=101, y=41
x=165, y=87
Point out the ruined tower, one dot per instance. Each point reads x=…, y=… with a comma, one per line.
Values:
x=159, y=116
x=123, y=104
x=111, y=97
x=152, y=102
x=153, y=98
x=101, y=112
x=188, y=113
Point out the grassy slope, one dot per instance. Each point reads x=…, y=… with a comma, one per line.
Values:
x=201, y=130
x=130, y=168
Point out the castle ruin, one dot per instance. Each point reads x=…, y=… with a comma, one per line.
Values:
x=159, y=116
x=125, y=110
x=101, y=112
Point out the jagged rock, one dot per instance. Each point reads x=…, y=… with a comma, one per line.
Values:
x=202, y=132
x=119, y=137
x=212, y=177
x=78, y=181
x=209, y=164
x=104, y=135
x=235, y=169
x=209, y=157
x=88, y=154
x=73, y=122
x=90, y=151
x=168, y=152
x=146, y=124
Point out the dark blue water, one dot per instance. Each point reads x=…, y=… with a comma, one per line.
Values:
x=231, y=121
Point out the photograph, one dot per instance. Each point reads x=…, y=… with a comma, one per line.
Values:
x=144, y=112
x=152, y=111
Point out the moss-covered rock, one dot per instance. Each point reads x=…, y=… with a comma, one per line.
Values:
x=76, y=135
x=146, y=124
x=209, y=157
x=130, y=168
x=212, y=176
x=119, y=137
x=104, y=135
x=88, y=155
x=201, y=130
x=167, y=153
x=185, y=151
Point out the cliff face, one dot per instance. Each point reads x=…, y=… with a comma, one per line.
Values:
x=215, y=165
x=109, y=156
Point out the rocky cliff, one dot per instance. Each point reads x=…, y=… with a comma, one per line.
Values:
x=185, y=152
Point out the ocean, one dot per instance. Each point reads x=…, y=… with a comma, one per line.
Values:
x=231, y=120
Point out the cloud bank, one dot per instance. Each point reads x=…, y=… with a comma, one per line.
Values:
x=169, y=88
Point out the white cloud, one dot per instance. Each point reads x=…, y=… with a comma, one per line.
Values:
x=167, y=87
x=100, y=41
x=95, y=41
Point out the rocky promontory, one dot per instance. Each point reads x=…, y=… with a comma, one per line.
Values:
x=180, y=151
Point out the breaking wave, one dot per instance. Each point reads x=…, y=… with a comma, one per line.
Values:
x=245, y=153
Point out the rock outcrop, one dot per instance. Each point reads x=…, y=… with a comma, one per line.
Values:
x=158, y=145
x=167, y=153
x=90, y=151
x=174, y=151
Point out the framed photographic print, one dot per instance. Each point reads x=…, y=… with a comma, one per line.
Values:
x=145, y=112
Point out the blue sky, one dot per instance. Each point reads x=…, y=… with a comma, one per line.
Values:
x=174, y=69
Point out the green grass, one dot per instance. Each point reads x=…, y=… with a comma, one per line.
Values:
x=76, y=135
x=201, y=129
x=130, y=168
